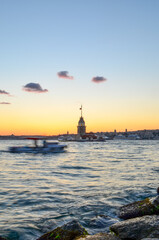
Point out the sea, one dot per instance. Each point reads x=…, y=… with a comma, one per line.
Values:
x=89, y=182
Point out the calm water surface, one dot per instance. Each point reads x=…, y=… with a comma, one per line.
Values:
x=89, y=183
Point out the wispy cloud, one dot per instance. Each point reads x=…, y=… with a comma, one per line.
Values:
x=4, y=92
x=98, y=79
x=5, y=103
x=64, y=74
x=34, y=87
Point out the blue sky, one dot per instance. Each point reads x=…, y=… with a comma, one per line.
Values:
x=116, y=40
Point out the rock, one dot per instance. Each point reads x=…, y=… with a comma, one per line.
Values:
x=150, y=239
x=68, y=231
x=1, y=238
x=155, y=201
x=137, y=228
x=148, y=206
x=99, y=236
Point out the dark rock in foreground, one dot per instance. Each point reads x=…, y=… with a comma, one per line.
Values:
x=99, y=236
x=68, y=231
x=137, y=228
x=141, y=223
x=1, y=238
x=150, y=239
x=148, y=206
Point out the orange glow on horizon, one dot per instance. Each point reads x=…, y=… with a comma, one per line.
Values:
x=43, y=119
x=29, y=129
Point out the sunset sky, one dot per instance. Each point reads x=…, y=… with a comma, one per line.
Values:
x=56, y=55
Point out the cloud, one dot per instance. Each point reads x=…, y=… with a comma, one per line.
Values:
x=98, y=79
x=64, y=74
x=4, y=92
x=34, y=87
x=5, y=103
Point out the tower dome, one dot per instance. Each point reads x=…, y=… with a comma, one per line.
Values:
x=81, y=122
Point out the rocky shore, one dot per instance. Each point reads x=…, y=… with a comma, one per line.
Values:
x=138, y=221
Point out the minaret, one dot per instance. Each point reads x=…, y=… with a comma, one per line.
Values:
x=81, y=128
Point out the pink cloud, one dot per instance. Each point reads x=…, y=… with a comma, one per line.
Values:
x=5, y=103
x=64, y=74
x=98, y=79
x=34, y=87
x=4, y=92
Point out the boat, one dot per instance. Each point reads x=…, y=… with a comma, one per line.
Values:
x=133, y=137
x=47, y=147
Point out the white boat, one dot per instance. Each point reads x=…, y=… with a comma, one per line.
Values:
x=119, y=137
x=47, y=147
x=133, y=137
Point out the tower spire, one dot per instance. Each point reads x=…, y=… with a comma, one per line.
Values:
x=81, y=110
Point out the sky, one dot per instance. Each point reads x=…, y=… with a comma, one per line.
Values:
x=56, y=55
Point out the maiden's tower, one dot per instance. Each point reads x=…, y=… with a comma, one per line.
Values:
x=81, y=128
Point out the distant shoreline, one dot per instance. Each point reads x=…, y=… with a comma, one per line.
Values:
x=142, y=134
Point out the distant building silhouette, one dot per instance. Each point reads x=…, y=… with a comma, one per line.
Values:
x=81, y=128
